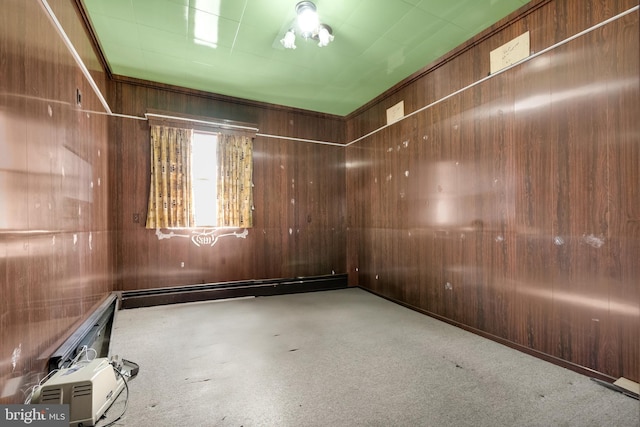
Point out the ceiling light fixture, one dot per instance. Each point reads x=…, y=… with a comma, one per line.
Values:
x=308, y=25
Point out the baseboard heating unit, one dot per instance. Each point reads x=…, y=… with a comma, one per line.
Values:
x=211, y=291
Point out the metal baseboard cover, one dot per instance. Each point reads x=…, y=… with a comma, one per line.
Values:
x=97, y=327
x=213, y=291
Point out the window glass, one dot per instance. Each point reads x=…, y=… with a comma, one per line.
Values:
x=204, y=179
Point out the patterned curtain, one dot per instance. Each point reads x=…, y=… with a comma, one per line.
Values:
x=235, y=181
x=170, y=201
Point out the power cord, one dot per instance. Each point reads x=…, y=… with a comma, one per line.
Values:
x=84, y=350
x=126, y=400
x=34, y=389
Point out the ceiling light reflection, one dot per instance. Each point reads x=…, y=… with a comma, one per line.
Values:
x=571, y=95
x=205, y=24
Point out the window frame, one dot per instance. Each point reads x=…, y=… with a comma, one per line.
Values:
x=201, y=124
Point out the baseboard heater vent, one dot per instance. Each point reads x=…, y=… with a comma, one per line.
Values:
x=212, y=291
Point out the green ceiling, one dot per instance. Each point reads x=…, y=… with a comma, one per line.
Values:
x=232, y=47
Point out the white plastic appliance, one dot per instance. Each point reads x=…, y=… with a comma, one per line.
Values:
x=89, y=388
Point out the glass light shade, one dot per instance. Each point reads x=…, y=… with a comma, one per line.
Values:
x=289, y=40
x=324, y=35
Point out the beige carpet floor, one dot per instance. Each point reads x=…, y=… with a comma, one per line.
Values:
x=340, y=358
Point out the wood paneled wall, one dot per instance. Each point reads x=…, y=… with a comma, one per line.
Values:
x=299, y=195
x=512, y=208
x=55, y=239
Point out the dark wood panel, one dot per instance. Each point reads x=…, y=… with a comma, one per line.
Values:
x=579, y=93
x=522, y=197
x=299, y=217
x=533, y=206
x=54, y=228
x=621, y=351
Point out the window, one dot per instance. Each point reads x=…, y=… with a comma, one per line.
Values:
x=200, y=178
x=204, y=179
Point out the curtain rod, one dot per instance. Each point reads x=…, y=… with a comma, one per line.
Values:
x=204, y=122
x=264, y=135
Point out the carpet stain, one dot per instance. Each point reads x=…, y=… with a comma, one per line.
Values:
x=198, y=381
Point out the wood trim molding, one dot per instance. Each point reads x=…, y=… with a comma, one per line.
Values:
x=88, y=26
